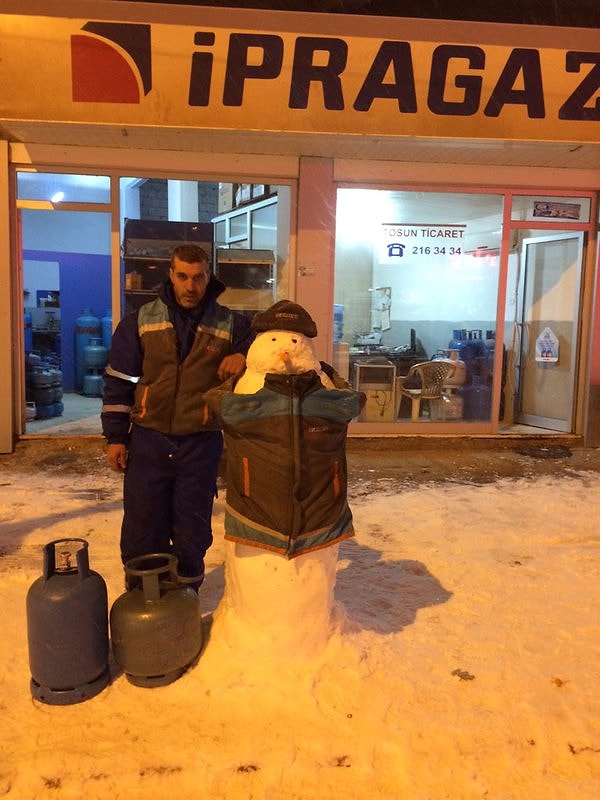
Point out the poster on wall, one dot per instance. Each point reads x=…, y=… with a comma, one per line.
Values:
x=569, y=211
x=547, y=347
x=381, y=305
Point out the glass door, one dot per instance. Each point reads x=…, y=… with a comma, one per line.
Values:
x=66, y=268
x=549, y=315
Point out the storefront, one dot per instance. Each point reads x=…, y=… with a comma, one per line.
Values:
x=429, y=193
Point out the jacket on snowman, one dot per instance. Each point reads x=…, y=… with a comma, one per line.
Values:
x=285, y=422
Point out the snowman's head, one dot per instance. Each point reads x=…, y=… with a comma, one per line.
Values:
x=283, y=352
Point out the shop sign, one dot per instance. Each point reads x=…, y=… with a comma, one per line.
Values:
x=407, y=243
x=399, y=83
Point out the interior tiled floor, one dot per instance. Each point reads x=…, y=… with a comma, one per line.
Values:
x=527, y=430
x=81, y=415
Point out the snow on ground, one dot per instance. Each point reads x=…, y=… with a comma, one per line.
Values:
x=464, y=662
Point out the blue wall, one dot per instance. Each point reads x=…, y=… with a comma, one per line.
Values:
x=84, y=283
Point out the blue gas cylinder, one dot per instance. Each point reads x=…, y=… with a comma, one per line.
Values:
x=28, y=331
x=87, y=326
x=478, y=345
x=67, y=626
x=338, y=322
x=471, y=349
x=477, y=399
x=458, y=337
x=106, y=324
x=44, y=410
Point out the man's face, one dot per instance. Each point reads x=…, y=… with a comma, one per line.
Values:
x=189, y=282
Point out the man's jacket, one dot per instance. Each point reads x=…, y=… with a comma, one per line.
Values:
x=163, y=358
x=286, y=462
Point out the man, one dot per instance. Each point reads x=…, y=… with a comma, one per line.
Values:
x=159, y=430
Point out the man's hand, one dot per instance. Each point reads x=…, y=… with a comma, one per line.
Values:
x=117, y=456
x=231, y=365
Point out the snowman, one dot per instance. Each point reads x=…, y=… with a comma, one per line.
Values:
x=279, y=351
x=286, y=511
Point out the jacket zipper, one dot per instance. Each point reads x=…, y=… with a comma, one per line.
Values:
x=177, y=382
x=294, y=446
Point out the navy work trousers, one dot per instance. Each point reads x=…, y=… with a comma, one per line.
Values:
x=168, y=494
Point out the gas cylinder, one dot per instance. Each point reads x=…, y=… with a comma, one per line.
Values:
x=106, y=324
x=459, y=335
x=43, y=394
x=28, y=331
x=95, y=355
x=86, y=327
x=44, y=410
x=476, y=336
x=93, y=385
x=477, y=398
x=156, y=625
x=41, y=378
x=67, y=626
x=33, y=361
x=338, y=322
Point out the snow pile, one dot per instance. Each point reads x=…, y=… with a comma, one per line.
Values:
x=465, y=663
x=275, y=605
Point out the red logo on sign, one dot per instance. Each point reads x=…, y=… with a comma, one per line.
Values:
x=100, y=69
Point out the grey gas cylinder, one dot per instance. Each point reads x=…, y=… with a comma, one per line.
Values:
x=67, y=626
x=156, y=625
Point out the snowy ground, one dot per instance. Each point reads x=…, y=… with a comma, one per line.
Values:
x=465, y=665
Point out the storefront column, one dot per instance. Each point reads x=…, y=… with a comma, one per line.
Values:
x=592, y=426
x=316, y=246
x=7, y=337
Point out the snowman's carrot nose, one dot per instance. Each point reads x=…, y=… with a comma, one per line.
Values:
x=285, y=357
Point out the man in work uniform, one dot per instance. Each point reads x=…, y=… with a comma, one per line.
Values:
x=160, y=433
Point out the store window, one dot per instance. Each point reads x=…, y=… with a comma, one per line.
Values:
x=416, y=281
x=243, y=227
x=65, y=223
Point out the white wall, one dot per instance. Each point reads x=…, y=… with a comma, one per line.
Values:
x=6, y=361
x=39, y=276
x=65, y=231
x=437, y=283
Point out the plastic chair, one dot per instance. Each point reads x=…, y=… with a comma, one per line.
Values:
x=432, y=377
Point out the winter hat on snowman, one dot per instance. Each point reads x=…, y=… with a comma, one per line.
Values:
x=285, y=316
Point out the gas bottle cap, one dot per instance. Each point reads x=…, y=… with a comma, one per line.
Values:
x=63, y=561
